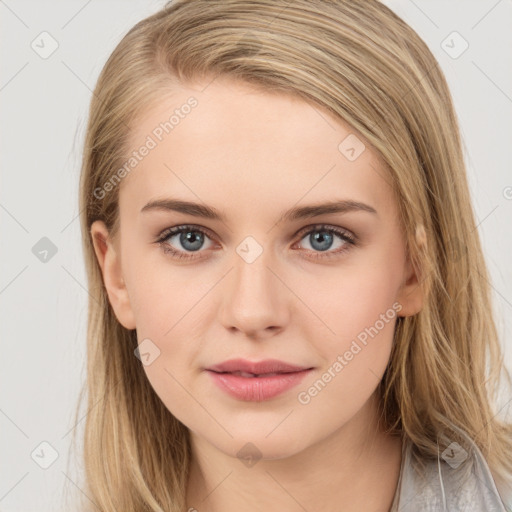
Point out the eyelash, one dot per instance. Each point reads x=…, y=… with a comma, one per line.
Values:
x=343, y=234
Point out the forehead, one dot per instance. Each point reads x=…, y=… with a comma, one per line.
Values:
x=229, y=142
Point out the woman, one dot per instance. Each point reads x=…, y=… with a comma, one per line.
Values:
x=291, y=307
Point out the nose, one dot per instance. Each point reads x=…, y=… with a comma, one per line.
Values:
x=255, y=300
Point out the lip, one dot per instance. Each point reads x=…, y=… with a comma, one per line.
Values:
x=262, y=387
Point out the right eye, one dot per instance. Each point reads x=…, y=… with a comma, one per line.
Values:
x=191, y=238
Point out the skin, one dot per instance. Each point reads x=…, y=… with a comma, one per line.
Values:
x=254, y=155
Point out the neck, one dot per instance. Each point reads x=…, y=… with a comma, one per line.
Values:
x=355, y=468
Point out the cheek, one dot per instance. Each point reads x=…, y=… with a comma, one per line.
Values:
x=351, y=298
x=169, y=305
x=163, y=296
x=360, y=302
x=359, y=310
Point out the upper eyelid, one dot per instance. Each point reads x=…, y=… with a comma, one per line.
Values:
x=167, y=232
x=327, y=227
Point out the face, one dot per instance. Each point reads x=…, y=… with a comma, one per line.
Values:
x=267, y=276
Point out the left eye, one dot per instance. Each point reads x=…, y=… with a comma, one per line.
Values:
x=320, y=239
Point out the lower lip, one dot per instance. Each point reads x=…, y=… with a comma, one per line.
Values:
x=257, y=389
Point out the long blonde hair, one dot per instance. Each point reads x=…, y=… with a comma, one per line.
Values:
x=361, y=62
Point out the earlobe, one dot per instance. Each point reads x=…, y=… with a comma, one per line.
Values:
x=110, y=264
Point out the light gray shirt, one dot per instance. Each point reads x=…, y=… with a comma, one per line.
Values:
x=459, y=480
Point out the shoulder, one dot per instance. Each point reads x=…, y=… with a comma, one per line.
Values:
x=459, y=479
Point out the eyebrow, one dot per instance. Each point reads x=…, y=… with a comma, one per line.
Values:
x=297, y=213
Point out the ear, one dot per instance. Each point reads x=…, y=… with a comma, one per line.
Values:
x=410, y=294
x=110, y=263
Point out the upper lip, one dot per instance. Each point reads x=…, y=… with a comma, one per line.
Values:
x=256, y=367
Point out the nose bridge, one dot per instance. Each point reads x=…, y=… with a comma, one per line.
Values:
x=253, y=299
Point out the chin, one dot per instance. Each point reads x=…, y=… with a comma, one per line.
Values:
x=252, y=445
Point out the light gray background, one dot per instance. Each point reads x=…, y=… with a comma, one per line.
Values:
x=43, y=305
